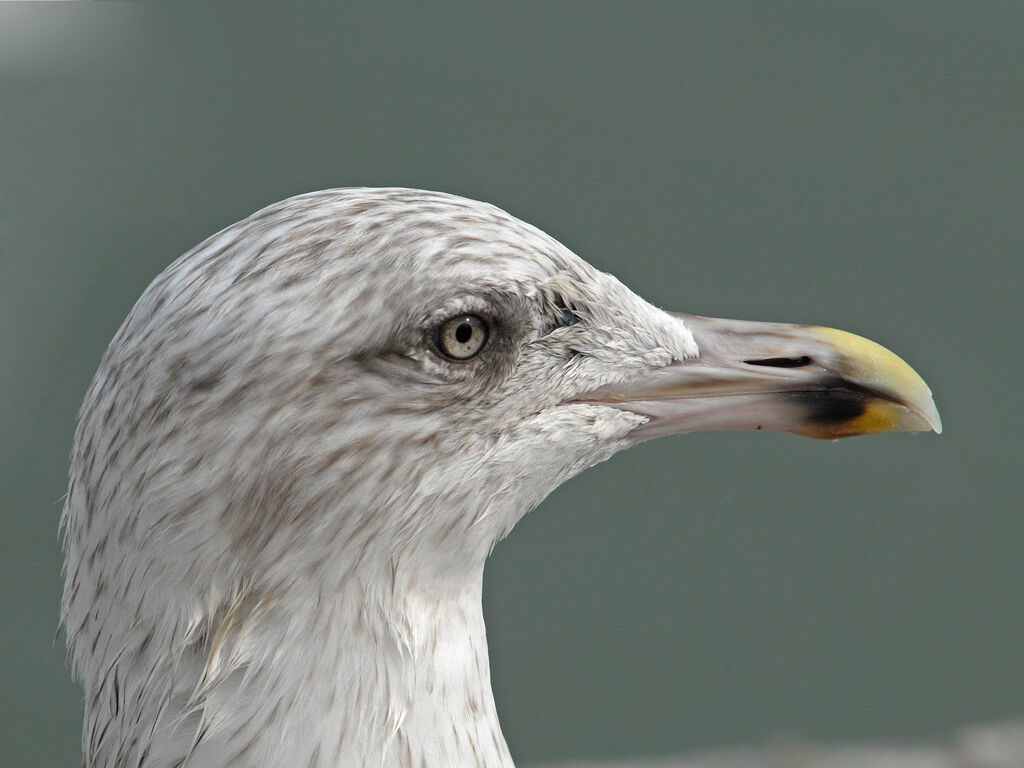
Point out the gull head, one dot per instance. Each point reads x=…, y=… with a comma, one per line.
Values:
x=311, y=430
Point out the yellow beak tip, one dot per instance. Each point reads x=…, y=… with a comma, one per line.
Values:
x=874, y=366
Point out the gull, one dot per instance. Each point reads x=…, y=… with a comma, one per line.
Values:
x=311, y=430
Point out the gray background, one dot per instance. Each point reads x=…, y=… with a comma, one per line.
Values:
x=856, y=165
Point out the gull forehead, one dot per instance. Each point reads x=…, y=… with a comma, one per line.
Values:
x=312, y=428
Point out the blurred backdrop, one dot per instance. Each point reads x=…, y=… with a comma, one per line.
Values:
x=859, y=165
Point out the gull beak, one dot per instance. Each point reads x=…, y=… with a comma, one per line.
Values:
x=803, y=379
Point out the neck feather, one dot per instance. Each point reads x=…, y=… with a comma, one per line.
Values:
x=358, y=678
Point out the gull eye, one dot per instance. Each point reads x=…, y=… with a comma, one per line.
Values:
x=462, y=337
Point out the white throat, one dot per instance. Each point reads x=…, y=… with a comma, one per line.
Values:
x=372, y=679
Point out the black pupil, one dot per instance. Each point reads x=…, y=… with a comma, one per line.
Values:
x=463, y=333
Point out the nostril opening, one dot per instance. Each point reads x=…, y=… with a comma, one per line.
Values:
x=782, y=362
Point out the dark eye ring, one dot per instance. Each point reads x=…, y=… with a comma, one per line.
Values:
x=461, y=337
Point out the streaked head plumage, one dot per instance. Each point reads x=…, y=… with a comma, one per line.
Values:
x=312, y=429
